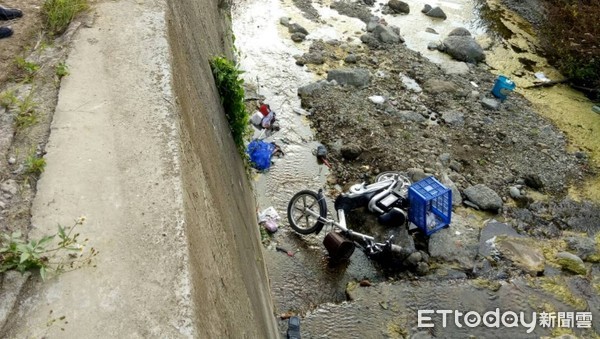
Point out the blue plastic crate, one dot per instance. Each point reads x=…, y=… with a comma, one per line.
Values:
x=430, y=205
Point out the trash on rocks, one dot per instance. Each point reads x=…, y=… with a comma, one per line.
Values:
x=321, y=154
x=293, y=331
x=502, y=87
x=268, y=219
x=301, y=111
x=281, y=249
x=260, y=154
x=541, y=76
x=256, y=118
x=377, y=99
x=270, y=225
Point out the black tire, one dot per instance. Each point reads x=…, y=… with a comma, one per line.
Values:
x=299, y=220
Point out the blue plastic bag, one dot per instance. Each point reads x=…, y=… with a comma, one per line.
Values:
x=260, y=153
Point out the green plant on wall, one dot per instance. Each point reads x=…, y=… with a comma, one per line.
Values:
x=231, y=90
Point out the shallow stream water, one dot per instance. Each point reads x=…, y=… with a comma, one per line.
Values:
x=306, y=283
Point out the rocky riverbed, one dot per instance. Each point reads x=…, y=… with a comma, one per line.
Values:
x=381, y=106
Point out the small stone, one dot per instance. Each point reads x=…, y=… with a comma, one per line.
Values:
x=490, y=103
x=285, y=21
x=431, y=30
x=12, y=160
x=515, y=193
x=351, y=152
x=422, y=268
x=455, y=166
x=9, y=186
x=2, y=205
x=426, y=8
x=432, y=46
x=295, y=28
x=413, y=259
x=351, y=59
x=298, y=37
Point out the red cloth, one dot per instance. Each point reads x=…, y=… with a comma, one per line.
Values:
x=264, y=110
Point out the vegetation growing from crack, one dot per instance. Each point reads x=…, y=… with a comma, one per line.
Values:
x=34, y=164
x=231, y=90
x=58, y=14
x=45, y=254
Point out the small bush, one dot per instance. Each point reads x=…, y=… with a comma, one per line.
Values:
x=62, y=70
x=8, y=99
x=16, y=253
x=59, y=13
x=571, y=39
x=231, y=90
x=34, y=165
x=29, y=69
x=26, y=113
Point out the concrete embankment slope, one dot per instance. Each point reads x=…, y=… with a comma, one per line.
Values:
x=174, y=222
x=231, y=286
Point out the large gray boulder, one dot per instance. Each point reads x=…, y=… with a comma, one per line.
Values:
x=436, y=12
x=387, y=34
x=457, y=244
x=456, y=196
x=359, y=77
x=311, y=88
x=463, y=48
x=571, y=262
x=522, y=252
x=491, y=230
x=459, y=31
x=585, y=248
x=484, y=197
x=453, y=118
x=398, y=6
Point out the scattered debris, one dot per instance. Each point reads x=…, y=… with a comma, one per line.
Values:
x=281, y=249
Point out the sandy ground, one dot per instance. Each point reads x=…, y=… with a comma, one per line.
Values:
x=113, y=157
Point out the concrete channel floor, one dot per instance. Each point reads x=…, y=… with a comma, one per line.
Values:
x=113, y=157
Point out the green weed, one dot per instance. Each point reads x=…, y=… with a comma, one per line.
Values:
x=34, y=165
x=58, y=14
x=26, y=112
x=231, y=90
x=8, y=99
x=29, y=68
x=62, y=70
x=16, y=253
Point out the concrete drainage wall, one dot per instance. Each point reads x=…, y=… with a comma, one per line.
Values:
x=230, y=285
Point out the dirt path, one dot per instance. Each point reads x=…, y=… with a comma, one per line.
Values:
x=113, y=157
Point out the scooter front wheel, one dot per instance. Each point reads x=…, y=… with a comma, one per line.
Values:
x=301, y=220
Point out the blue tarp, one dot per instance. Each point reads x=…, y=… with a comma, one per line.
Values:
x=260, y=153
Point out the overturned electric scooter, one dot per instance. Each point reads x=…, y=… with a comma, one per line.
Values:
x=427, y=204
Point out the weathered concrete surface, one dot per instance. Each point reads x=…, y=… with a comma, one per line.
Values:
x=114, y=155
